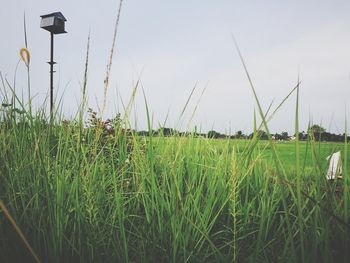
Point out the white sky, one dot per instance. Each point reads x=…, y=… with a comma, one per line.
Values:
x=172, y=45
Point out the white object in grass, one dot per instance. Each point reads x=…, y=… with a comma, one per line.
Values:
x=335, y=166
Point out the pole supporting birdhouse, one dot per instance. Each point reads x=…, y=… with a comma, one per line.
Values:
x=51, y=76
x=55, y=24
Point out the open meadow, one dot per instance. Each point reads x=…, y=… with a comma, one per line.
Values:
x=82, y=194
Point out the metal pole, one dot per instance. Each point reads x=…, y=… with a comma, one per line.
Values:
x=51, y=78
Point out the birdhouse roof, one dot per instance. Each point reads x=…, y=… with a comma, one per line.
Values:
x=55, y=14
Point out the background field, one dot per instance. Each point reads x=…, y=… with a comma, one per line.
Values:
x=310, y=156
x=88, y=195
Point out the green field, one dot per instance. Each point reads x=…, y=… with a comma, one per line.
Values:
x=83, y=195
x=312, y=155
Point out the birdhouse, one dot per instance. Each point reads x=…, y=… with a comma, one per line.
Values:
x=53, y=23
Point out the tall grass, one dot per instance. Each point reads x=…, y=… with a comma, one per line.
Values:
x=87, y=194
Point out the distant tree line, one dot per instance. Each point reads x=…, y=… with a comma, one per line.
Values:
x=315, y=132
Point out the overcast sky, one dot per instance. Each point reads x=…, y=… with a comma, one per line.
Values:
x=172, y=45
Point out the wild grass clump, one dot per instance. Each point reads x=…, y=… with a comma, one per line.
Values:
x=101, y=193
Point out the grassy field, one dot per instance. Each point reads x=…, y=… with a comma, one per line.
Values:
x=86, y=195
x=310, y=156
x=71, y=192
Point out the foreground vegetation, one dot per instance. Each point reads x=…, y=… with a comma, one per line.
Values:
x=71, y=192
x=105, y=195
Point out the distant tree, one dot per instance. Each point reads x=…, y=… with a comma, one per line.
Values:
x=143, y=133
x=284, y=136
x=213, y=134
x=316, y=129
x=260, y=134
x=302, y=136
x=318, y=132
x=167, y=131
x=277, y=136
x=239, y=134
